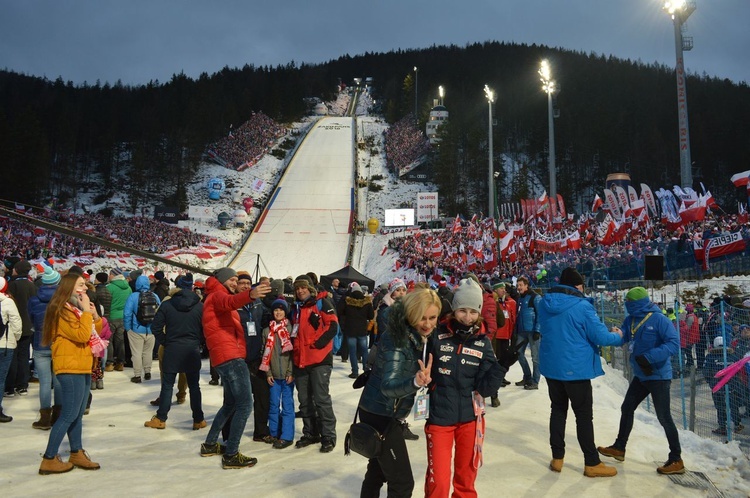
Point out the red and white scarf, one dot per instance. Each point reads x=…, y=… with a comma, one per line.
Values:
x=478, y=459
x=275, y=329
x=96, y=343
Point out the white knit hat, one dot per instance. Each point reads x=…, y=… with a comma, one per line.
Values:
x=468, y=295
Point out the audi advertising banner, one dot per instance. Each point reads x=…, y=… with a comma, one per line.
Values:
x=167, y=214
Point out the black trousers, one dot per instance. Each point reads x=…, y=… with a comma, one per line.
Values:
x=19, y=371
x=392, y=466
x=578, y=394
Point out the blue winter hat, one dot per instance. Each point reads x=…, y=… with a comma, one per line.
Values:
x=185, y=281
x=280, y=303
x=50, y=276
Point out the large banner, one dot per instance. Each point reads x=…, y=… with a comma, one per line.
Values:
x=718, y=246
x=427, y=206
x=167, y=214
x=201, y=212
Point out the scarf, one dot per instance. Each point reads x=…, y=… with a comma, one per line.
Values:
x=477, y=459
x=97, y=344
x=275, y=329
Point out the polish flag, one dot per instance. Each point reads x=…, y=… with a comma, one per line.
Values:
x=598, y=202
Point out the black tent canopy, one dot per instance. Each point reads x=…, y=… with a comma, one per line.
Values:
x=347, y=275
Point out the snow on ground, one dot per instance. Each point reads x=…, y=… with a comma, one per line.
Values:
x=137, y=461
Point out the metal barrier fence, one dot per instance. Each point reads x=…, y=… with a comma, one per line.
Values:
x=721, y=416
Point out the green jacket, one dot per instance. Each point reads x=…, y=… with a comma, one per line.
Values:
x=120, y=291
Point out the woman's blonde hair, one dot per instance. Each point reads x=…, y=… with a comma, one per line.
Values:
x=416, y=303
x=56, y=306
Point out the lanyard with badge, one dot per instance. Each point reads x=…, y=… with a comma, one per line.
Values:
x=633, y=331
x=421, y=410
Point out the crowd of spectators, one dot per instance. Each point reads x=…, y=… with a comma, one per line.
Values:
x=475, y=247
x=404, y=144
x=22, y=239
x=249, y=141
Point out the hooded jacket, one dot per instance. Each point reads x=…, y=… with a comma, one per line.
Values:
x=37, y=308
x=22, y=289
x=354, y=312
x=224, y=334
x=131, y=307
x=656, y=339
x=178, y=327
x=571, y=336
x=120, y=291
x=526, y=318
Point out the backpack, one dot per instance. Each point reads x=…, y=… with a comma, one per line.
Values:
x=147, y=306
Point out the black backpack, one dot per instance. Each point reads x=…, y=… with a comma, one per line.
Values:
x=147, y=306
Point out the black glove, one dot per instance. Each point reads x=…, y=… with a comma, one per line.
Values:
x=314, y=320
x=644, y=364
x=536, y=336
x=508, y=358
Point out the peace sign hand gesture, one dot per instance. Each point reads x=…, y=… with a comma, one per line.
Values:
x=422, y=378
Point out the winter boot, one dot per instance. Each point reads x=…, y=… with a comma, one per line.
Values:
x=600, y=470
x=100, y=384
x=237, y=461
x=54, y=465
x=45, y=420
x=4, y=419
x=672, y=467
x=495, y=401
x=155, y=423
x=56, y=411
x=408, y=434
x=81, y=460
x=199, y=425
x=556, y=464
x=613, y=452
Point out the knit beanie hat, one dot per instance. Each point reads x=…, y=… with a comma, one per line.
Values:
x=135, y=274
x=718, y=342
x=159, y=275
x=497, y=283
x=396, y=283
x=571, y=277
x=243, y=275
x=473, y=277
x=354, y=286
x=185, y=281
x=115, y=272
x=50, y=277
x=224, y=274
x=468, y=295
x=636, y=293
x=277, y=288
x=280, y=303
x=101, y=277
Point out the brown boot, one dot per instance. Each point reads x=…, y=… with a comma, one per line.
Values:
x=81, y=460
x=556, y=464
x=672, y=467
x=199, y=425
x=600, y=470
x=155, y=423
x=56, y=411
x=54, y=465
x=613, y=452
x=45, y=420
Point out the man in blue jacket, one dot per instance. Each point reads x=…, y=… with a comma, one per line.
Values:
x=653, y=340
x=527, y=334
x=569, y=359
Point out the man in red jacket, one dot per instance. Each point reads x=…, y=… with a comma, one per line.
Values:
x=225, y=339
x=314, y=325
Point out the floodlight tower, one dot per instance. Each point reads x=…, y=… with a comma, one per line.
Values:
x=491, y=178
x=680, y=10
x=416, y=89
x=548, y=85
x=441, y=93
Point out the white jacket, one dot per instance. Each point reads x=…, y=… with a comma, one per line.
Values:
x=10, y=317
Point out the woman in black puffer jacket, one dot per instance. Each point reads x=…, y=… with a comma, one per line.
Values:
x=401, y=368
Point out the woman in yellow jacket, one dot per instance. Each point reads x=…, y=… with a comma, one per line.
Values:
x=69, y=324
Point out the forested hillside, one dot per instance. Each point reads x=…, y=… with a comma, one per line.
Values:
x=615, y=115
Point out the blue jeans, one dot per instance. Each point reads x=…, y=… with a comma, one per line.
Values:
x=43, y=369
x=281, y=394
x=637, y=392
x=534, y=345
x=165, y=397
x=238, y=401
x=6, y=358
x=357, y=352
x=75, y=394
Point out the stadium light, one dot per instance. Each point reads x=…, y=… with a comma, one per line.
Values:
x=548, y=85
x=679, y=11
x=416, y=89
x=441, y=93
x=491, y=178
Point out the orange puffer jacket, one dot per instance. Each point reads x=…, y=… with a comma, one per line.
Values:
x=71, y=353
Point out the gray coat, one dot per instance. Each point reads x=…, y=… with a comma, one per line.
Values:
x=281, y=363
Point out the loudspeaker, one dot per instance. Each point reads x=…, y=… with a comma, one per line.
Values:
x=654, y=268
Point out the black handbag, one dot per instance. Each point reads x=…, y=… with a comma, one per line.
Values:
x=363, y=439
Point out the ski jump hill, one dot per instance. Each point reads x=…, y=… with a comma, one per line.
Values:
x=307, y=224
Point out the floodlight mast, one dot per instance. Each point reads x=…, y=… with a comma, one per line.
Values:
x=548, y=85
x=679, y=11
x=490, y=95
